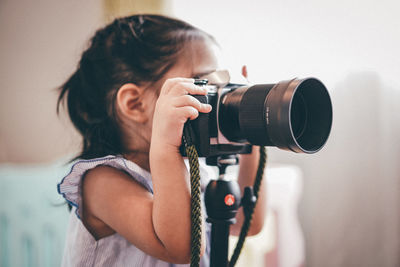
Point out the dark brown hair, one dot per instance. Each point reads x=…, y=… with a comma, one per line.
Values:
x=137, y=49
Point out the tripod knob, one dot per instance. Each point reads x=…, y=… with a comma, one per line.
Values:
x=222, y=199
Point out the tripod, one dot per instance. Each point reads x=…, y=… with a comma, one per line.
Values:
x=222, y=200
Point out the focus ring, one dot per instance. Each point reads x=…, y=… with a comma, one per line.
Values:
x=252, y=114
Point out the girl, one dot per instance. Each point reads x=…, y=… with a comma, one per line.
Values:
x=129, y=99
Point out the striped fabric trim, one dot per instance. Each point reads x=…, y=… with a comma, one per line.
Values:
x=70, y=185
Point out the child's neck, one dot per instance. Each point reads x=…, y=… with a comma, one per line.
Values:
x=140, y=158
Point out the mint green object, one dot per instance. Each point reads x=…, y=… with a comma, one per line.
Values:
x=33, y=216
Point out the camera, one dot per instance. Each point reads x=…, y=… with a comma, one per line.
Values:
x=294, y=115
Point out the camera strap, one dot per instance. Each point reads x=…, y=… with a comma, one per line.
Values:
x=196, y=215
x=195, y=204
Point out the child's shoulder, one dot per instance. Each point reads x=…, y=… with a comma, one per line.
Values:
x=103, y=179
x=101, y=170
x=103, y=175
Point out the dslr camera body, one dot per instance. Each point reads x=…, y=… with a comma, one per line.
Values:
x=294, y=115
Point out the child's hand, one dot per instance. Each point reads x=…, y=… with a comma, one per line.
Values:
x=174, y=107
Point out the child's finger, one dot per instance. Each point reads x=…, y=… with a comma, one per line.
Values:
x=188, y=89
x=169, y=84
x=188, y=100
x=244, y=71
x=188, y=112
x=185, y=88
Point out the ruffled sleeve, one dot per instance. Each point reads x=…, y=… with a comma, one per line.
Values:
x=71, y=185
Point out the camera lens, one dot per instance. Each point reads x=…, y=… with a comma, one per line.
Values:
x=294, y=115
x=298, y=116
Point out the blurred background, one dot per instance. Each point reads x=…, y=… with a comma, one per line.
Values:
x=349, y=210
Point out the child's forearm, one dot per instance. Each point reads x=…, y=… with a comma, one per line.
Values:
x=248, y=164
x=171, y=208
x=171, y=201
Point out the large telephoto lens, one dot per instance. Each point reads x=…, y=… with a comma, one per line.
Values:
x=294, y=115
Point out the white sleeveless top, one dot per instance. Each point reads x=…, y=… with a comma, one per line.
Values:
x=81, y=249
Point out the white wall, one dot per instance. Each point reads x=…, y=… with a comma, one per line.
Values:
x=41, y=42
x=350, y=211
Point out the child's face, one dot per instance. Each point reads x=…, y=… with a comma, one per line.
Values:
x=199, y=59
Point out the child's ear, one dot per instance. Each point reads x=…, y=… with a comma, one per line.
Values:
x=131, y=102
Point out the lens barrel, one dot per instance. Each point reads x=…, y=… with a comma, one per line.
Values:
x=293, y=115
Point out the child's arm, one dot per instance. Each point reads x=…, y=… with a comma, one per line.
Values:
x=159, y=224
x=114, y=202
x=171, y=214
x=248, y=164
